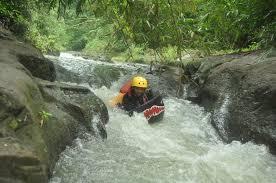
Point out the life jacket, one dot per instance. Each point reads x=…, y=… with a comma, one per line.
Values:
x=118, y=99
x=126, y=87
x=125, y=90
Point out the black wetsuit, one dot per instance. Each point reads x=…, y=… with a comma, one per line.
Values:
x=131, y=102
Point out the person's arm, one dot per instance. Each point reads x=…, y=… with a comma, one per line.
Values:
x=117, y=100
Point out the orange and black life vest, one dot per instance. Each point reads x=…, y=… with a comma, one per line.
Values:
x=125, y=90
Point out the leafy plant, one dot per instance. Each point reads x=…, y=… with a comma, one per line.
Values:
x=13, y=124
x=44, y=116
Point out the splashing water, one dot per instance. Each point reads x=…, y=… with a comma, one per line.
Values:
x=221, y=114
x=182, y=148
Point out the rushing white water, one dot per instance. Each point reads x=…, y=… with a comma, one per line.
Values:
x=221, y=114
x=182, y=148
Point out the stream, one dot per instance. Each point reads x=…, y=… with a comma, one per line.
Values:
x=183, y=147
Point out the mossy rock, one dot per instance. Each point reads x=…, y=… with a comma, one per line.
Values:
x=13, y=124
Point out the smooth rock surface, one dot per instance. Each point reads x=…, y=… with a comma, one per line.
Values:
x=240, y=92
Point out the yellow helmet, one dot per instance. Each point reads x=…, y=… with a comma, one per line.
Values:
x=139, y=81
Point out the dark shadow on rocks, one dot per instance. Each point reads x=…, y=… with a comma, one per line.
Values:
x=240, y=93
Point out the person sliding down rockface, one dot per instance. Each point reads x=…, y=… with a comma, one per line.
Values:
x=133, y=94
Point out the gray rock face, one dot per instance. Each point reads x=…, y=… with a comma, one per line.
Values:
x=166, y=81
x=13, y=51
x=241, y=95
x=82, y=104
x=39, y=67
x=20, y=132
x=38, y=118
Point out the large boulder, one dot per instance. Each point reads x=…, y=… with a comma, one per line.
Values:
x=21, y=134
x=166, y=81
x=240, y=93
x=27, y=55
x=80, y=102
x=39, y=67
x=38, y=118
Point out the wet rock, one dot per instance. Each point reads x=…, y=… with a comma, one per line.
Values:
x=39, y=67
x=54, y=53
x=240, y=94
x=38, y=119
x=25, y=166
x=80, y=102
x=5, y=34
x=20, y=103
x=166, y=81
x=27, y=55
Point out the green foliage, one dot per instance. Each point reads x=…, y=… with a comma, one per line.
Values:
x=12, y=9
x=232, y=24
x=169, y=53
x=135, y=53
x=44, y=116
x=170, y=27
x=47, y=32
x=198, y=24
x=266, y=36
x=14, y=15
x=100, y=37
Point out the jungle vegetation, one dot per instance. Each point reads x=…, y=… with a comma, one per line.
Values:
x=135, y=29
